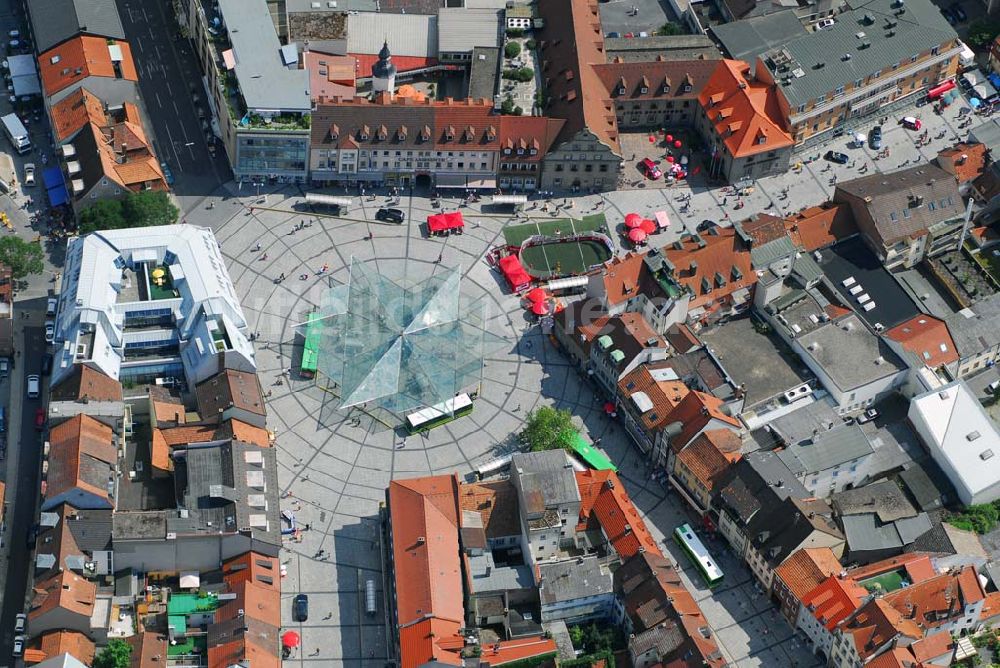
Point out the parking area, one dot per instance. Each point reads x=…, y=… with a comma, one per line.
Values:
x=634, y=16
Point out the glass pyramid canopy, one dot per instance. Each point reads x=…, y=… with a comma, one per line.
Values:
x=402, y=346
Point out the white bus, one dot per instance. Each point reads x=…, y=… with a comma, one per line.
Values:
x=690, y=543
x=435, y=416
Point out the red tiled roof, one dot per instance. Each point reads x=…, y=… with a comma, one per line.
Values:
x=665, y=395
x=706, y=460
x=965, y=162
x=833, y=600
x=81, y=57
x=507, y=651
x=938, y=600
x=932, y=646
x=917, y=565
x=402, y=63
x=621, y=277
x=807, y=569
x=72, y=113
x=65, y=590
x=330, y=76
x=74, y=643
x=926, y=337
x=746, y=113
x=991, y=607
x=705, y=266
x=695, y=412
x=877, y=623
x=528, y=133
x=820, y=226
x=619, y=519
x=73, y=442
x=428, y=576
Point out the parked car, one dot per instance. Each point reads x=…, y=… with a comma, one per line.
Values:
x=868, y=416
x=650, y=169
x=18, y=645
x=168, y=175
x=958, y=12
x=390, y=216
x=34, y=386
x=875, y=137
x=825, y=23
x=46, y=364
x=837, y=157
x=910, y=122
x=4, y=367
x=21, y=623
x=39, y=418
x=29, y=174
x=50, y=331
x=50, y=306
x=949, y=16
x=613, y=35
x=300, y=608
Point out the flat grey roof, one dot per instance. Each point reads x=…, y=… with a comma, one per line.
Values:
x=55, y=21
x=849, y=353
x=987, y=132
x=484, y=73
x=827, y=449
x=461, y=29
x=407, y=34
x=976, y=328
x=573, y=579
x=266, y=83
x=920, y=27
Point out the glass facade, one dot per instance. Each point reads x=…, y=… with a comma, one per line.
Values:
x=402, y=344
x=273, y=154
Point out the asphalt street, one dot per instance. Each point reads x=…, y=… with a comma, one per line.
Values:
x=170, y=81
x=23, y=436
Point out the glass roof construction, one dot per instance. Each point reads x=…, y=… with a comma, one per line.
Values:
x=402, y=345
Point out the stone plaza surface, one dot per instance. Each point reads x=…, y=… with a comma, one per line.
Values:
x=334, y=470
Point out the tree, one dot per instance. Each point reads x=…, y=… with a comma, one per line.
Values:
x=669, y=28
x=104, y=214
x=145, y=208
x=507, y=106
x=23, y=257
x=512, y=50
x=530, y=45
x=518, y=111
x=982, y=32
x=118, y=654
x=149, y=207
x=548, y=428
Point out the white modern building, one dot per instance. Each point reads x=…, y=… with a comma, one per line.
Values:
x=146, y=303
x=962, y=439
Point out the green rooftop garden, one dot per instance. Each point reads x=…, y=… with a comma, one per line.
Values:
x=884, y=583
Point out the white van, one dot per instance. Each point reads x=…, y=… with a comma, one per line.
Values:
x=34, y=386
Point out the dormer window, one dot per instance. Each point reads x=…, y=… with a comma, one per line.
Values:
x=621, y=90
x=687, y=88
x=364, y=133
x=383, y=133
x=334, y=132
x=491, y=133
x=666, y=88
x=425, y=134
x=533, y=151
x=449, y=133
x=643, y=90
x=506, y=151
x=520, y=151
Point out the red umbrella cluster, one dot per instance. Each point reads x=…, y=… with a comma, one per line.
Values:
x=290, y=640
x=637, y=235
x=538, y=301
x=536, y=295
x=540, y=308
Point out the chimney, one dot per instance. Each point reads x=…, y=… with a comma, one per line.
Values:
x=124, y=152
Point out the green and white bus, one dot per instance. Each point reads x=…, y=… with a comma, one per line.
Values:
x=435, y=416
x=689, y=541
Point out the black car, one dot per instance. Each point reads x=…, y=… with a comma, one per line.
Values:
x=390, y=216
x=958, y=12
x=46, y=364
x=839, y=158
x=875, y=137
x=300, y=608
x=705, y=225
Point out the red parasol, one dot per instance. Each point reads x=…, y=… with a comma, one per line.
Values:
x=648, y=226
x=290, y=639
x=540, y=308
x=670, y=158
x=609, y=408
x=670, y=138
x=633, y=220
x=636, y=235
x=677, y=144
x=536, y=295
x=652, y=139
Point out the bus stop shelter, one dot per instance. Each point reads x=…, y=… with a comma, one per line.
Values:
x=318, y=199
x=515, y=201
